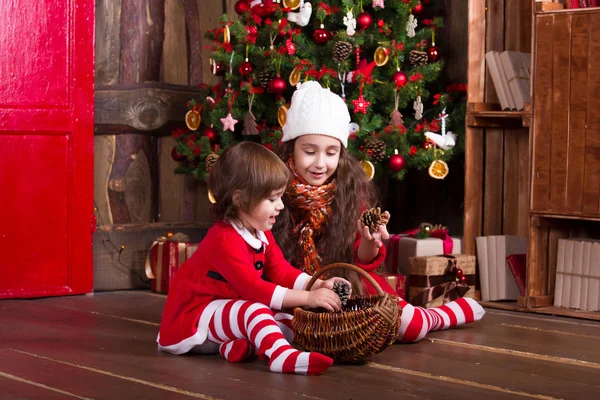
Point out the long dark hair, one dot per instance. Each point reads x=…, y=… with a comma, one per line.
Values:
x=354, y=194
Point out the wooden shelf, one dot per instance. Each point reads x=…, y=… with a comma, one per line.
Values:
x=486, y=115
x=586, y=217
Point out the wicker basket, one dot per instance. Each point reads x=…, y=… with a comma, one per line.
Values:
x=365, y=326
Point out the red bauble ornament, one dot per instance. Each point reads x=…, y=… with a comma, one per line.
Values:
x=400, y=79
x=321, y=36
x=242, y=6
x=417, y=9
x=396, y=162
x=177, y=156
x=264, y=9
x=211, y=134
x=217, y=68
x=433, y=53
x=277, y=86
x=246, y=68
x=364, y=20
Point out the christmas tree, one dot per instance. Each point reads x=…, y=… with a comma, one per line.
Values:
x=379, y=55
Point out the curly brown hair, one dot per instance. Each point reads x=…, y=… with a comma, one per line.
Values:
x=249, y=168
x=354, y=194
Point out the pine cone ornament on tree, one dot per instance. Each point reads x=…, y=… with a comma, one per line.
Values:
x=264, y=78
x=210, y=161
x=341, y=51
x=376, y=150
x=342, y=289
x=418, y=57
x=373, y=218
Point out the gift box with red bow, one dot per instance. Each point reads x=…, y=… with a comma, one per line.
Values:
x=397, y=282
x=436, y=280
x=164, y=259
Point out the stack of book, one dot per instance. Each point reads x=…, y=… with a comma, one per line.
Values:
x=495, y=275
x=511, y=74
x=578, y=274
x=582, y=3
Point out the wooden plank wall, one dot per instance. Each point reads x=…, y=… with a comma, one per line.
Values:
x=497, y=179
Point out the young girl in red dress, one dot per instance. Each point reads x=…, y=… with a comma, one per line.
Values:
x=328, y=191
x=223, y=298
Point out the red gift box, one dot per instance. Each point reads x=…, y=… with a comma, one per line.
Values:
x=397, y=282
x=164, y=259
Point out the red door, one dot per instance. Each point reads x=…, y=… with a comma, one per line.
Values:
x=46, y=147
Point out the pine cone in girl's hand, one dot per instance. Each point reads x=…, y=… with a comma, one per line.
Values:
x=373, y=218
x=342, y=289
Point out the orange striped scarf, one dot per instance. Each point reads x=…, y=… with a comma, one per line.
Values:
x=312, y=206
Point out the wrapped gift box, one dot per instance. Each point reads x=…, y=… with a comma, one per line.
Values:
x=397, y=282
x=164, y=259
x=435, y=280
x=401, y=247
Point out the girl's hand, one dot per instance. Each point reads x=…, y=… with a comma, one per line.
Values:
x=325, y=298
x=329, y=284
x=375, y=237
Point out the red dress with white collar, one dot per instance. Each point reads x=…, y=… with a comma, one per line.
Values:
x=230, y=263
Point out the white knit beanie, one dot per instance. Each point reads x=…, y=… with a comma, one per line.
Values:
x=315, y=110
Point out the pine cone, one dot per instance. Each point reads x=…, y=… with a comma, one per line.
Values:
x=342, y=289
x=210, y=161
x=341, y=51
x=373, y=218
x=418, y=57
x=377, y=150
x=178, y=237
x=264, y=78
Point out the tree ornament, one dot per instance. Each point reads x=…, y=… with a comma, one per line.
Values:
x=264, y=78
x=369, y=168
x=378, y=3
x=301, y=17
x=246, y=68
x=290, y=46
x=360, y=104
x=217, y=67
x=373, y=218
x=400, y=79
x=396, y=162
x=277, y=86
x=411, y=25
x=438, y=169
x=418, y=107
x=433, y=53
x=210, y=161
x=417, y=9
x=192, y=120
x=263, y=8
x=376, y=149
x=177, y=156
x=445, y=140
x=382, y=56
x=428, y=144
x=418, y=58
x=249, y=120
x=241, y=6
x=396, y=120
x=295, y=76
x=282, y=115
x=226, y=34
x=211, y=134
x=364, y=20
x=321, y=36
x=229, y=122
x=341, y=51
x=292, y=4
x=350, y=23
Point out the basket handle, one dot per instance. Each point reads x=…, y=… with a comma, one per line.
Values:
x=372, y=281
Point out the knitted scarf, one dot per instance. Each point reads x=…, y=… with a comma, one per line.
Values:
x=312, y=206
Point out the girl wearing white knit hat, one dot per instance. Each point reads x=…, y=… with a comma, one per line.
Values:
x=328, y=191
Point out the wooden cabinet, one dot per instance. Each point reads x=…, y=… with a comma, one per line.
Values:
x=561, y=133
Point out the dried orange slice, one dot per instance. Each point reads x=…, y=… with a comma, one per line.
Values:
x=381, y=56
x=281, y=115
x=192, y=120
x=211, y=198
x=291, y=4
x=369, y=168
x=295, y=76
x=438, y=169
x=226, y=34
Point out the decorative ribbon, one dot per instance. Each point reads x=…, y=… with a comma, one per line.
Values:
x=323, y=71
x=448, y=285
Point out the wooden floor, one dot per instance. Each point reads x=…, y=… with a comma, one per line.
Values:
x=103, y=347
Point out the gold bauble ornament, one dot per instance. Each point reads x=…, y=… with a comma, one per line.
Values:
x=438, y=169
x=192, y=120
x=295, y=76
x=369, y=168
x=281, y=115
x=382, y=56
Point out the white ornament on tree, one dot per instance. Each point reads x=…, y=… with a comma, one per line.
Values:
x=301, y=17
x=418, y=107
x=445, y=140
x=378, y=3
x=350, y=23
x=411, y=25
